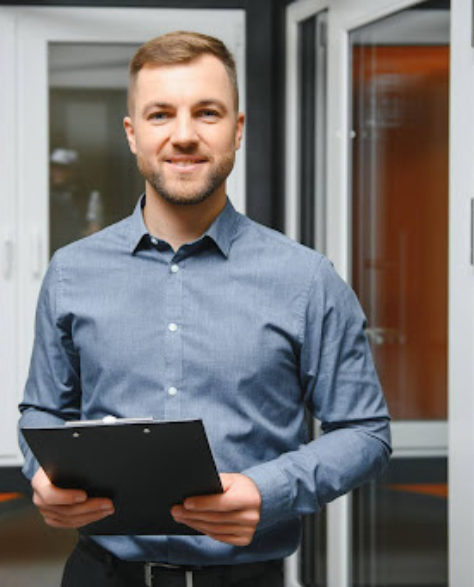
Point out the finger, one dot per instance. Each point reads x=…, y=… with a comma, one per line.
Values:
x=72, y=522
x=243, y=517
x=90, y=507
x=241, y=494
x=214, y=503
x=221, y=529
x=226, y=480
x=52, y=495
x=231, y=539
x=49, y=493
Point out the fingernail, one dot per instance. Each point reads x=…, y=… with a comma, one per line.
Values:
x=80, y=499
x=189, y=504
x=106, y=507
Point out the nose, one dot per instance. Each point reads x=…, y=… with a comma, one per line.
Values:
x=184, y=132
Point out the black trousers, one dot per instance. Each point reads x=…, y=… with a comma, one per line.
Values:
x=91, y=566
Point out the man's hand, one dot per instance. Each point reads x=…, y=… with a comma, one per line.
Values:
x=230, y=517
x=67, y=508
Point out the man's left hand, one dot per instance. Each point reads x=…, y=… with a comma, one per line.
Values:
x=230, y=517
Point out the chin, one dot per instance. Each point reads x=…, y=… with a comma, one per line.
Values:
x=180, y=199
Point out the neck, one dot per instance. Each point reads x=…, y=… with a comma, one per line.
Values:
x=180, y=224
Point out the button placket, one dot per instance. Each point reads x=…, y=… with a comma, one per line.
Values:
x=173, y=350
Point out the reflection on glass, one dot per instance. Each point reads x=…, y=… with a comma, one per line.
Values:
x=400, y=203
x=400, y=532
x=93, y=176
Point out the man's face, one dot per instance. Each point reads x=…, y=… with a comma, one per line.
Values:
x=184, y=129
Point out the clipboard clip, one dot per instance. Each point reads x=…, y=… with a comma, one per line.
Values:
x=109, y=420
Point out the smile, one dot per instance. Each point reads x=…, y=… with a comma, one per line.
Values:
x=185, y=165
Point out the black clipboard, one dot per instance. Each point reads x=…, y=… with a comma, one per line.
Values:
x=144, y=467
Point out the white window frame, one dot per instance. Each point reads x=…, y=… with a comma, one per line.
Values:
x=461, y=298
x=25, y=33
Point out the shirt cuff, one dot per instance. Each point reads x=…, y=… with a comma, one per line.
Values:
x=275, y=490
x=30, y=467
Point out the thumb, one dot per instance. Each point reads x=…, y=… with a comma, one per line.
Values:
x=227, y=480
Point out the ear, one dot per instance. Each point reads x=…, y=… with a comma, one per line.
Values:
x=239, y=129
x=130, y=132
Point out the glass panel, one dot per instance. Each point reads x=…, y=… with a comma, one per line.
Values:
x=312, y=185
x=312, y=129
x=400, y=532
x=307, y=115
x=93, y=176
x=400, y=203
x=400, y=91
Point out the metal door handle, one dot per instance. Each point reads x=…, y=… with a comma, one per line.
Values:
x=36, y=254
x=7, y=257
x=378, y=336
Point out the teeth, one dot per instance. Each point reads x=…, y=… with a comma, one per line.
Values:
x=185, y=163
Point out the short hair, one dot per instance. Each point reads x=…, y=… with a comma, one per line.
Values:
x=181, y=47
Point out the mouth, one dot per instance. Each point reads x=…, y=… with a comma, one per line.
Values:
x=185, y=164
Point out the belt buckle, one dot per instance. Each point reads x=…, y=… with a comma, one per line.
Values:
x=149, y=572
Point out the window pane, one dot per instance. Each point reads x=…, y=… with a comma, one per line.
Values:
x=312, y=129
x=400, y=531
x=400, y=90
x=400, y=203
x=93, y=176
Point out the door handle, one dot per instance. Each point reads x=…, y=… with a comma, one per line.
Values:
x=379, y=336
x=36, y=254
x=7, y=256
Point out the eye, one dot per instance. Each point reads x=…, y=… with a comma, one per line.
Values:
x=209, y=113
x=158, y=116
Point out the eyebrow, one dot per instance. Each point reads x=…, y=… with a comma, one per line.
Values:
x=167, y=105
x=152, y=105
x=213, y=102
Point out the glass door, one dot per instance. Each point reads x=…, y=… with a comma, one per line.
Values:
x=93, y=180
x=399, y=146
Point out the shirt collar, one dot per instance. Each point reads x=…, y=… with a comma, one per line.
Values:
x=221, y=231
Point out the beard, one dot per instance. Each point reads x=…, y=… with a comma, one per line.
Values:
x=183, y=191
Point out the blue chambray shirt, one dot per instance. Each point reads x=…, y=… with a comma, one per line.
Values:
x=242, y=328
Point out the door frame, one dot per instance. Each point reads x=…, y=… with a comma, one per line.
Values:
x=461, y=296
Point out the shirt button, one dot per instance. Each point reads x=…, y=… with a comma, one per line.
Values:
x=154, y=240
x=172, y=327
x=172, y=391
x=174, y=268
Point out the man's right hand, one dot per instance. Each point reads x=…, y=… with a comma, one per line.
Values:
x=67, y=508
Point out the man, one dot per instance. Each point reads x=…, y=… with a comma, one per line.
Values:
x=187, y=309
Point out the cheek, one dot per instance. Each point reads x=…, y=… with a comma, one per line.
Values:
x=147, y=144
x=226, y=142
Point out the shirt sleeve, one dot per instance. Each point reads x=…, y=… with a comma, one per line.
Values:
x=341, y=389
x=52, y=393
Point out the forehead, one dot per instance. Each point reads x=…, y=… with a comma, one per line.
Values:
x=204, y=78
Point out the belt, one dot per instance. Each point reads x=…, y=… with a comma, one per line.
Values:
x=155, y=574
